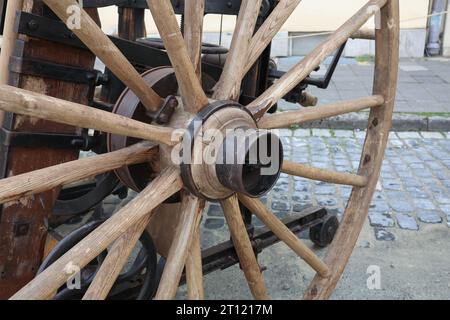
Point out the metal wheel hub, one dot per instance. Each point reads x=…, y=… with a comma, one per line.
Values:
x=224, y=152
x=164, y=82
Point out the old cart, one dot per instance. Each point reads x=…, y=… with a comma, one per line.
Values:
x=140, y=112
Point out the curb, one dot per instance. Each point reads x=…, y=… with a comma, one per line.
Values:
x=400, y=122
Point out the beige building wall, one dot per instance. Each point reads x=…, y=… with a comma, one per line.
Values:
x=310, y=16
x=326, y=15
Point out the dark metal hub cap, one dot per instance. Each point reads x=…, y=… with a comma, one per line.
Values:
x=224, y=152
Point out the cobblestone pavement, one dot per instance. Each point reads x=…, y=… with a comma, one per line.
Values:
x=406, y=235
x=423, y=84
x=413, y=190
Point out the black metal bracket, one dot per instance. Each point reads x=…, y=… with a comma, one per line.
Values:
x=163, y=115
x=322, y=82
x=137, y=53
x=45, y=140
x=2, y=15
x=230, y=7
x=40, y=68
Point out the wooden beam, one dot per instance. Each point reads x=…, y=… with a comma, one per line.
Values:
x=31, y=183
x=284, y=234
x=160, y=189
x=44, y=107
x=194, y=11
x=289, y=118
x=244, y=249
x=191, y=89
x=94, y=38
x=8, y=43
x=114, y=262
x=191, y=212
x=300, y=170
x=302, y=69
x=386, y=72
x=229, y=85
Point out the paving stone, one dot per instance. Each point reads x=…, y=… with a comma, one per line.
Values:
x=301, y=197
x=412, y=68
x=442, y=199
x=214, y=224
x=344, y=133
x=417, y=192
x=302, y=186
x=400, y=205
x=321, y=133
x=284, y=132
x=381, y=220
x=445, y=208
x=326, y=201
x=424, y=204
x=406, y=221
x=389, y=184
x=360, y=134
x=379, y=206
x=215, y=211
x=298, y=207
x=325, y=190
x=281, y=206
x=383, y=235
x=429, y=216
x=409, y=135
x=302, y=133
x=432, y=135
x=281, y=214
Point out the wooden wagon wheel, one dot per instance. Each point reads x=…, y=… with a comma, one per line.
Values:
x=200, y=182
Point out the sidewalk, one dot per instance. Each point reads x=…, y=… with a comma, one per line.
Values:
x=423, y=97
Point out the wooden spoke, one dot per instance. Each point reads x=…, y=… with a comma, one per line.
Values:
x=47, y=282
x=244, y=249
x=194, y=11
x=114, y=262
x=8, y=43
x=386, y=70
x=269, y=29
x=289, y=118
x=194, y=267
x=94, y=38
x=44, y=107
x=366, y=34
x=284, y=234
x=300, y=170
x=191, y=89
x=229, y=85
x=28, y=184
x=300, y=71
x=9, y=38
x=192, y=209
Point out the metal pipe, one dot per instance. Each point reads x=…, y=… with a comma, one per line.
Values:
x=435, y=27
